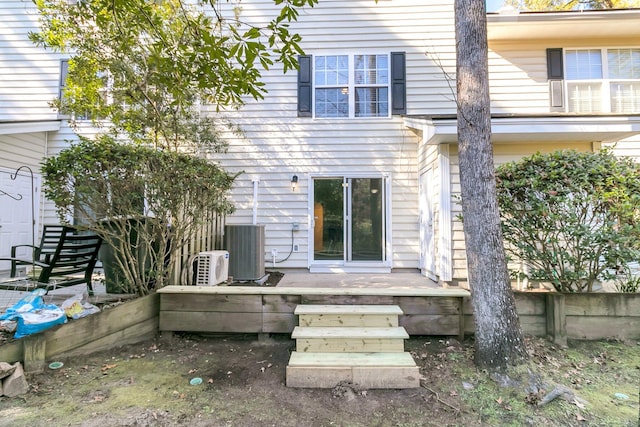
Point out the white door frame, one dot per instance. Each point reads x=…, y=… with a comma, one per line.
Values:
x=319, y=266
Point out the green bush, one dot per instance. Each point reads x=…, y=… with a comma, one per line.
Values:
x=572, y=217
x=145, y=203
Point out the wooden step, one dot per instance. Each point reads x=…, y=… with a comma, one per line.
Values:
x=349, y=339
x=351, y=359
x=348, y=315
x=349, y=332
x=348, y=309
x=367, y=370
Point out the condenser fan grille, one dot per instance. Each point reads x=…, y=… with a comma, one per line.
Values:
x=213, y=268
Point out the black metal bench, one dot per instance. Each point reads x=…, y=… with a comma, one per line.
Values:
x=71, y=262
x=42, y=253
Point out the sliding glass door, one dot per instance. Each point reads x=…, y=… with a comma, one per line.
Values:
x=349, y=219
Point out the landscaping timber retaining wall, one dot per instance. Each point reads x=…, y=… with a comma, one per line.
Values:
x=270, y=310
x=583, y=316
x=426, y=311
x=130, y=322
x=237, y=309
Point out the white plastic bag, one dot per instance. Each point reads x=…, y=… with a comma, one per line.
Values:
x=75, y=307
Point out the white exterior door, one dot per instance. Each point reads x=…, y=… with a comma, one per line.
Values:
x=19, y=213
x=427, y=226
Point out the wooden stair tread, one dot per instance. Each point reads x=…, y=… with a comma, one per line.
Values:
x=351, y=359
x=349, y=332
x=348, y=309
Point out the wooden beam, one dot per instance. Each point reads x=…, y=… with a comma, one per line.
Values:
x=34, y=353
x=556, y=319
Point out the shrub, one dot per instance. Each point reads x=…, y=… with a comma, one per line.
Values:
x=145, y=203
x=571, y=216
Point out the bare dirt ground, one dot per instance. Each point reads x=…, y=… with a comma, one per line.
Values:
x=243, y=384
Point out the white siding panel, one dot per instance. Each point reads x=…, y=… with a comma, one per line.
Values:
x=518, y=80
x=29, y=75
x=629, y=147
x=276, y=157
x=26, y=149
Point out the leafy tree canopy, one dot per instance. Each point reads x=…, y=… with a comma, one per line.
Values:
x=554, y=5
x=145, y=67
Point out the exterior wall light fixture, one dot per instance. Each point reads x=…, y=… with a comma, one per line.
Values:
x=294, y=182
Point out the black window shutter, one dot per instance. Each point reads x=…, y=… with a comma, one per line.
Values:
x=305, y=83
x=555, y=75
x=554, y=64
x=398, y=83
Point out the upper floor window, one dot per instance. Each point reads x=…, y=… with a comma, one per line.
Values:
x=603, y=80
x=344, y=86
x=351, y=86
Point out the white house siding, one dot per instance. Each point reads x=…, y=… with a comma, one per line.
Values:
x=29, y=75
x=518, y=80
x=277, y=144
x=20, y=149
x=629, y=147
x=518, y=72
x=385, y=148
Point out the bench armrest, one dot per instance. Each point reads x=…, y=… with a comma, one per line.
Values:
x=36, y=249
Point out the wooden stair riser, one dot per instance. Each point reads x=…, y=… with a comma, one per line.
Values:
x=360, y=344
x=365, y=377
x=349, y=332
x=349, y=345
x=347, y=320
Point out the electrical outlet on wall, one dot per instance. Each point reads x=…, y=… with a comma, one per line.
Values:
x=274, y=252
x=296, y=248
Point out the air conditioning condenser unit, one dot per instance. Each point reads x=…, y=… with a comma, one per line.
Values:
x=213, y=268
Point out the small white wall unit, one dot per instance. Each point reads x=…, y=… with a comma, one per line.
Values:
x=213, y=268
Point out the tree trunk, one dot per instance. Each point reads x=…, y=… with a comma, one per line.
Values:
x=499, y=339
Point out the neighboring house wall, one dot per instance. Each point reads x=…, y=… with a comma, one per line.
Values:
x=29, y=74
x=519, y=85
x=29, y=81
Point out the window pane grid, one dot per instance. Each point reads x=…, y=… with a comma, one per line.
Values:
x=371, y=69
x=585, y=97
x=356, y=88
x=584, y=64
x=603, y=80
x=332, y=70
x=332, y=103
x=624, y=63
x=371, y=102
x=625, y=97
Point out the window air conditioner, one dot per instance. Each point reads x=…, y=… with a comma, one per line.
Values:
x=213, y=268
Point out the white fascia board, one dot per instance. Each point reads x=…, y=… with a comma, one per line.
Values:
x=11, y=128
x=535, y=129
x=566, y=25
